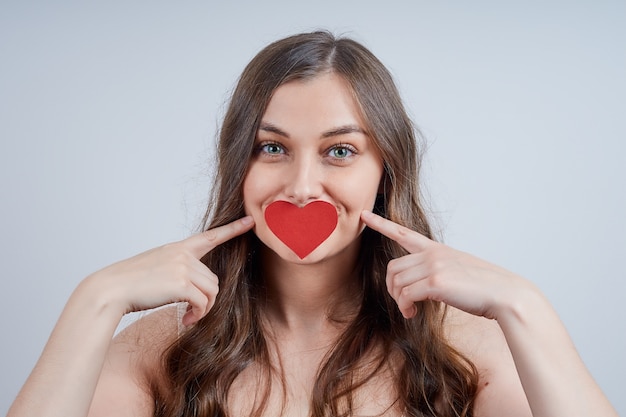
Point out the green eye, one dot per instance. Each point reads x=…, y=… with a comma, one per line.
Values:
x=272, y=149
x=341, y=152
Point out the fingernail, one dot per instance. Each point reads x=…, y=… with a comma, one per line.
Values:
x=246, y=221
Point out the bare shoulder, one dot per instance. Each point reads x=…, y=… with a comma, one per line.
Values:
x=481, y=340
x=132, y=365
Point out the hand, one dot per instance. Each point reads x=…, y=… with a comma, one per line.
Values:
x=434, y=271
x=170, y=273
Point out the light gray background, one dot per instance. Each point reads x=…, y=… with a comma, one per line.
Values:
x=108, y=114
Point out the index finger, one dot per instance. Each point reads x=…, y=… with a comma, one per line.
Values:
x=204, y=242
x=407, y=238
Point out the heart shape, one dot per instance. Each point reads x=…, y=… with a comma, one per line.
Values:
x=302, y=229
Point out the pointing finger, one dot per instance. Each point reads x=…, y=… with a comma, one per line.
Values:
x=407, y=238
x=204, y=242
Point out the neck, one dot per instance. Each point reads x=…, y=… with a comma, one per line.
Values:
x=309, y=298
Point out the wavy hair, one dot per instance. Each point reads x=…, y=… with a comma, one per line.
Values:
x=430, y=377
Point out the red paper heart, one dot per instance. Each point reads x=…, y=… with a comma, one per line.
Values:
x=301, y=229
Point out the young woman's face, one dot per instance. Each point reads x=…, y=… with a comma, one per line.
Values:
x=311, y=146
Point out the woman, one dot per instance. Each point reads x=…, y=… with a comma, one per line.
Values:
x=374, y=318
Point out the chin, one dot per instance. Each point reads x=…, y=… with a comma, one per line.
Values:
x=323, y=253
x=287, y=255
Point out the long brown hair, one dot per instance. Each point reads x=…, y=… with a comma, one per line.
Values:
x=431, y=378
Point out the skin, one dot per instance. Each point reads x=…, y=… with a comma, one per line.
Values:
x=312, y=146
x=313, y=150
x=550, y=371
x=525, y=357
x=80, y=355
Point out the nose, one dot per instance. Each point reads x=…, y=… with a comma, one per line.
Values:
x=304, y=182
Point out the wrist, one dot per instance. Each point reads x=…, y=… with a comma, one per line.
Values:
x=92, y=294
x=524, y=306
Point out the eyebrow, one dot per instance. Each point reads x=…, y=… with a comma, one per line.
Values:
x=343, y=130
x=268, y=127
x=336, y=131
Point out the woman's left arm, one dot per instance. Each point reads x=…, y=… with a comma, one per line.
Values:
x=555, y=380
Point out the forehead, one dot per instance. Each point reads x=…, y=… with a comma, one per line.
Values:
x=319, y=103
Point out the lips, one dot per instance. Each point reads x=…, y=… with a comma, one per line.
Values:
x=301, y=229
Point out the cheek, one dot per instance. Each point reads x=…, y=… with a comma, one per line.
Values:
x=250, y=191
x=258, y=188
x=357, y=200
x=358, y=193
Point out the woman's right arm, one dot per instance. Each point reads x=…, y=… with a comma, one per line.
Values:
x=66, y=375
